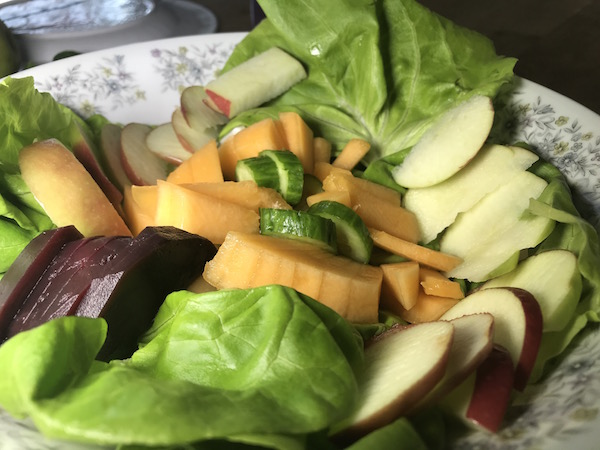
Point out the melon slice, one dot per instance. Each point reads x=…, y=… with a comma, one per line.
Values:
x=201, y=214
x=246, y=260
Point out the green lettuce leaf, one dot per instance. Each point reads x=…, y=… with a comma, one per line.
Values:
x=262, y=367
x=383, y=71
x=27, y=115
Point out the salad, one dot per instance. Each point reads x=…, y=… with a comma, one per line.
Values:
x=344, y=97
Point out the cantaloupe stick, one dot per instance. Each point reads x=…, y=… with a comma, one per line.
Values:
x=436, y=283
x=325, y=170
x=342, y=197
x=228, y=158
x=428, y=308
x=350, y=288
x=414, y=252
x=400, y=285
x=244, y=193
x=280, y=128
x=204, y=166
x=299, y=139
x=202, y=214
x=140, y=207
x=374, y=211
x=237, y=261
x=262, y=135
x=352, y=153
x=322, y=150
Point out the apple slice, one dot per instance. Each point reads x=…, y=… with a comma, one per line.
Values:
x=141, y=165
x=496, y=229
x=518, y=324
x=553, y=278
x=401, y=365
x=254, y=82
x=164, y=143
x=192, y=139
x=66, y=190
x=448, y=145
x=110, y=145
x=473, y=342
x=436, y=207
x=482, y=399
x=84, y=151
x=196, y=112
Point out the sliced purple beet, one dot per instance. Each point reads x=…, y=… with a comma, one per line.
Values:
x=28, y=268
x=54, y=295
x=124, y=280
x=158, y=261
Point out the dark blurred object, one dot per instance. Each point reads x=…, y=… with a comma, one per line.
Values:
x=10, y=58
x=256, y=13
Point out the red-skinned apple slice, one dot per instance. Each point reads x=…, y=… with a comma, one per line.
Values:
x=473, y=342
x=164, y=143
x=192, y=139
x=196, y=112
x=83, y=149
x=483, y=398
x=401, y=365
x=141, y=165
x=451, y=142
x=110, y=145
x=554, y=280
x=518, y=324
x=254, y=82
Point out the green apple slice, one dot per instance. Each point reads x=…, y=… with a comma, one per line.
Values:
x=446, y=147
x=554, y=280
x=192, y=139
x=254, y=82
x=496, y=229
x=436, y=207
x=164, y=143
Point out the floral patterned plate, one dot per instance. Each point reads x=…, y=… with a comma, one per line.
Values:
x=142, y=83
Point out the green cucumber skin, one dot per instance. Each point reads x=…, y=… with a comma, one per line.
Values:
x=291, y=174
x=354, y=239
x=263, y=171
x=299, y=225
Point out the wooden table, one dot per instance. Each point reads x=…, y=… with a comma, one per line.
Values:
x=557, y=42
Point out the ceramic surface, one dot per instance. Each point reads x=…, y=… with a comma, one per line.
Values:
x=142, y=83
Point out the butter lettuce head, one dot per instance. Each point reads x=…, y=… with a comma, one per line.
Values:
x=381, y=70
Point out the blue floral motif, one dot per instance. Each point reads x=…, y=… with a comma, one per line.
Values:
x=559, y=139
x=106, y=86
x=188, y=66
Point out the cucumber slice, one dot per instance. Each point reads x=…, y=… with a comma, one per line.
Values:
x=300, y=225
x=354, y=240
x=291, y=174
x=263, y=171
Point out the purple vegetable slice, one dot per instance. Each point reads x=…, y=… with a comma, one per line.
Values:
x=28, y=268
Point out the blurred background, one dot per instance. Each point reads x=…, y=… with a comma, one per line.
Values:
x=557, y=42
